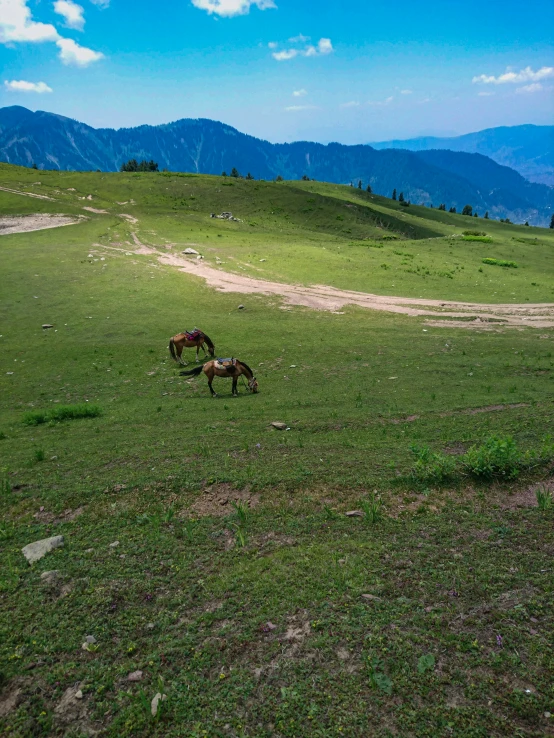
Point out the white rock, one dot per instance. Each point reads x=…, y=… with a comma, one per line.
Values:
x=50, y=577
x=35, y=551
x=90, y=639
x=115, y=544
x=154, y=704
x=190, y=251
x=79, y=694
x=135, y=676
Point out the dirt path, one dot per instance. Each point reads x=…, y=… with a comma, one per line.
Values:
x=37, y=222
x=320, y=297
x=27, y=194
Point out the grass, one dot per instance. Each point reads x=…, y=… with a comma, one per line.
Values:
x=501, y=263
x=239, y=585
x=60, y=413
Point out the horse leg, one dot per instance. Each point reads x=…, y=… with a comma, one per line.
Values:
x=210, y=374
x=214, y=393
x=197, y=350
x=234, y=390
x=179, y=354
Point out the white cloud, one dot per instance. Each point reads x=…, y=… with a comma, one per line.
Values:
x=101, y=3
x=300, y=39
x=285, y=55
x=17, y=26
x=72, y=13
x=300, y=93
x=22, y=86
x=351, y=104
x=324, y=47
x=300, y=107
x=73, y=54
x=511, y=77
x=406, y=92
x=230, y=8
x=381, y=103
x=535, y=87
x=273, y=44
x=486, y=94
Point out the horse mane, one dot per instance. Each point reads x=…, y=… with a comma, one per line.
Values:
x=247, y=367
x=209, y=341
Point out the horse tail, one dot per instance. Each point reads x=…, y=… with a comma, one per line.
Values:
x=172, y=350
x=210, y=343
x=247, y=367
x=193, y=372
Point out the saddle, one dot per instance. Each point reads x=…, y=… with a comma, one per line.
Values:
x=227, y=364
x=193, y=335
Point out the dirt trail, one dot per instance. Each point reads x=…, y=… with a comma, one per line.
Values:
x=27, y=194
x=321, y=297
x=37, y=222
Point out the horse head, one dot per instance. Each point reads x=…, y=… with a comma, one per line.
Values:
x=253, y=385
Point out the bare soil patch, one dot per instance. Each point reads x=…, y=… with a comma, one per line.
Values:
x=38, y=222
x=321, y=297
x=27, y=194
x=216, y=500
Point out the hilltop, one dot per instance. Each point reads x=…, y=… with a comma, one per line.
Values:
x=210, y=147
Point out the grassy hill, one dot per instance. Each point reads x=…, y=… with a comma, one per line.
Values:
x=429, y=614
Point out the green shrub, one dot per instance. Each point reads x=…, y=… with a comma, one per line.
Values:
x=431, y=467
x=482, y=239
x=496, y=457
x=473, y=233
x=500, y=262
x=60, y=413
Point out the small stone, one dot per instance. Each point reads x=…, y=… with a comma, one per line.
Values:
x=190, y=251
x=89, y=551
x=79, y=694
x=135, y=676
x=90, y=639
x=115, y=544
x=241, y=307
x=547, y=715
x=35, y=551
x=354, y=514
x=50, y=577
x=47, y=325
x=150, y=626
x=371, y=597
x=280, y=426
x=156, y=700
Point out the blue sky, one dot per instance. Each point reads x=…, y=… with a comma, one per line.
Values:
x=351, y=71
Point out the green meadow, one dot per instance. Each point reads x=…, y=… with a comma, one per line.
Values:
x=212, y=552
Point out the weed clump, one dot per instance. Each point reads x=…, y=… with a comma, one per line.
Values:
x=500, y=263
x=545, y=501
x=496, y=457
x=432, y=467
x=61, y=413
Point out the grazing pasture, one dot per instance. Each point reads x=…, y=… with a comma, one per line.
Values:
x=381, y=567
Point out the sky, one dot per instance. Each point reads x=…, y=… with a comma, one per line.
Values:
x=353, y=71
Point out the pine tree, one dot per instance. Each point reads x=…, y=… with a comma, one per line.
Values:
x=235, y=173
x=400, y=197
x=486, y=216
x=360, y=184
x=442, y=206
x=305, y=178
x=526, y=222
x=452, y=210
x=223, y=174
x=552, y=222
x=394, y=194
x=468, y=210
x=368, y=189
x=278, y=178
x=249, y=176
x=475, y=215
x=34, y=165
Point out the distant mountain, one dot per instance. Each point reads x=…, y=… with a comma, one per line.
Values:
x=527, y=149
x=199, y=145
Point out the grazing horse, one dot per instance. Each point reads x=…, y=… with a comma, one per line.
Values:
x=189, y=340
x=225, y=368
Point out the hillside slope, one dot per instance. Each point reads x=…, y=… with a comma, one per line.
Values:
x=528, y=149
x=210, y=147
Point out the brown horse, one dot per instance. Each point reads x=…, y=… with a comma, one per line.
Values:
x=189, y=340
x=225, y=368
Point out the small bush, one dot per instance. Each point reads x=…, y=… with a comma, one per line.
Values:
x=500, y=263
x=431, y=467
x=62, y=412
x=482, y=239
x=473, y=233
x=372, y=509
x=545, y=501
x=496, y=457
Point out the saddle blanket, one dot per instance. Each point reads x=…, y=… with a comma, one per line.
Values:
x=225, y=363
x=193, y=335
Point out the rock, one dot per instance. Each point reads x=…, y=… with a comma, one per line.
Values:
x=371, y=597
x=150, y=626
x=279, y=425
x=241, y=307
x=354, y=514
x=190, y=251
x=156, y=700
x=90, y=639
x=115, y=544
x=135, y=676
x=79, y=695
x=35, y=551
x=51, y=577
x=10, y=702
x=263, y=259
x=47, y=325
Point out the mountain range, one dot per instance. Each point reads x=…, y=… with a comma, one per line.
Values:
x=528, y=149
x=200, y=145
